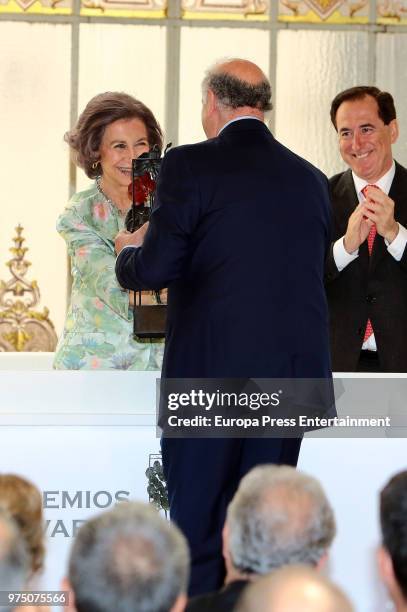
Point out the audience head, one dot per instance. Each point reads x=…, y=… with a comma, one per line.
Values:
x=126, y=559
x=393, y=554
x=365, y=119
x=14, y=559
x=230, y=89
x=294, y=589
x=85, y=139
x=278, y=516
x=23, y=501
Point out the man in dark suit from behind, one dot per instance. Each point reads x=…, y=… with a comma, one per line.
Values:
x=367, y=283
x=239, y=236
x=278, y=517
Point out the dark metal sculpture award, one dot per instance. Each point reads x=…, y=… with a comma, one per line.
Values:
x=149, y=319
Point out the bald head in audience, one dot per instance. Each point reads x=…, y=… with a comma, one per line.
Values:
x=392, y=556
x=126, y=559
x=278, y=516
x=294, y=589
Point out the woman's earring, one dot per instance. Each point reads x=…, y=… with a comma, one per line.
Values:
x=95, y=165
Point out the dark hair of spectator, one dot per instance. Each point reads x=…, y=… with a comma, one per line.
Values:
x=235, y=93
x=385, y=102
x=102, y=110
x=393, y=520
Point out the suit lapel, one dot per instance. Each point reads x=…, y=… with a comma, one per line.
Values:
x=398, y=193
x=345, y=193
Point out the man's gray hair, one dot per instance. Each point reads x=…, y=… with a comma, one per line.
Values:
x=126, y=559
x=278, y=516
x=232, y=92
x=14, y=560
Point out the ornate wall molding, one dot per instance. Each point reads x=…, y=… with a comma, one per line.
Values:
x=42, y=7
x=22, y=328
x=329, y=11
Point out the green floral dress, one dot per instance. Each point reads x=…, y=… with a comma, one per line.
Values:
x=99, y=323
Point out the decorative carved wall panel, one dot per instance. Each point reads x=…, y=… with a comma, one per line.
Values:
x=124, y=8
x=42, y=7
x=225, y=9
x=392, y=12
x=329, y=11
x=22, y=328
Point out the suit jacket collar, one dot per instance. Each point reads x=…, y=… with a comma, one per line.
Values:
x=244, y=125
x=345, y=192
x=237, y=119
x=398, y=193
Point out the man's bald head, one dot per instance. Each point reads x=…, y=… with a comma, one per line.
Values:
x=243, y=70
x=238, y=83
x=294, y=588
x=232, y=89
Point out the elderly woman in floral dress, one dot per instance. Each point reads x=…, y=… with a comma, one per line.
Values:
x=113, y=129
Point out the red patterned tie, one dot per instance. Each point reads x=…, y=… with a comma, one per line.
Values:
x=373, y=230
x=370, y=241
x=368, y=330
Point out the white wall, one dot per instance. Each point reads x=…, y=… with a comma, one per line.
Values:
x=34, y=113
x=313, y=66
x=391, y=75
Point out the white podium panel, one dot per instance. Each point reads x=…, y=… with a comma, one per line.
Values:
x=81, y=470
x=352, y=472
x=85, y=439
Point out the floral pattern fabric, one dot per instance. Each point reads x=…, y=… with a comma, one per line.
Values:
x=98, y=332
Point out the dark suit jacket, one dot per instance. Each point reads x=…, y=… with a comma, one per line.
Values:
x=224, y=600
x=239, y=235
x=372, y=287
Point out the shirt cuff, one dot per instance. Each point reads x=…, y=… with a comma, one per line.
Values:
x=341, y=256
x=396, y=248
x=127, y=246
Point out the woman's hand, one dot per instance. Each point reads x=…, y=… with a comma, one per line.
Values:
x=125, y=238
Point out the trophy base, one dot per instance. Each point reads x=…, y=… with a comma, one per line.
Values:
x=149, y=321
